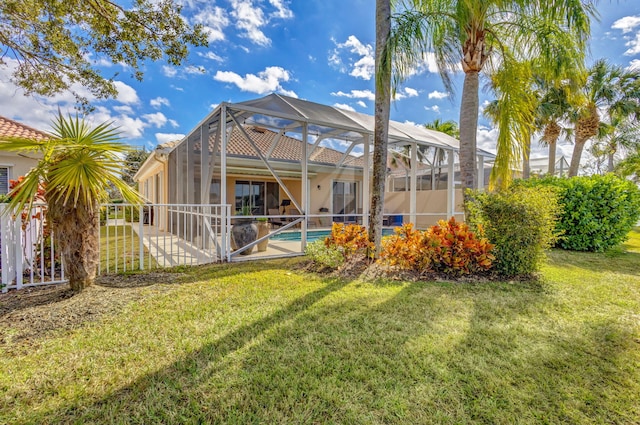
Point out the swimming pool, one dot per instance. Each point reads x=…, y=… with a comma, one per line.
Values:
x=312, y=235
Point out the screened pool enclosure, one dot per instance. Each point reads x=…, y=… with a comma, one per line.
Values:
x=298, y=166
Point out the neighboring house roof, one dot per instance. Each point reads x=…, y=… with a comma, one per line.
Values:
x=11, y=128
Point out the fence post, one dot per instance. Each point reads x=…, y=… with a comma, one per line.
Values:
x=5, y=246
x=141, y=235
x=17, y=234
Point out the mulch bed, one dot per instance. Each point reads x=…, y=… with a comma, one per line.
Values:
x=31, y=313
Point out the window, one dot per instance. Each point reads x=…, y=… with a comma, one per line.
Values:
x=258, y=196
x=4, y=180
x=344, y=198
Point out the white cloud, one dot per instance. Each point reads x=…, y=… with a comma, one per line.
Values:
x=634, y=46
x=364, y=67
x=126, y=93
x=486, y=138
x=191, y=69
x=282, y=10
x=634, y=65
x=626, y=24
x=214, y=21
x=344, y=106
x=174, y=123
x=168, y=137
x=407, y=92
x=158, y=102
x=356, y=94
x=210, y=55
x=156, y=119
x=437, y=95
x=434, y=108
x=361, y=103
x=169, y=71
x=124, y=109
x=266, y=81
x=249, y=20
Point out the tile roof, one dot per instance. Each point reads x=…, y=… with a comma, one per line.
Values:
x=11, y=128
x=287, y=149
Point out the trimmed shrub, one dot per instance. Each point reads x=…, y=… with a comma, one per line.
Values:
x=408, y=249
x=448, y=247
x=326, y=256
x=520, y=222
x=349, y=239
x=598, y=211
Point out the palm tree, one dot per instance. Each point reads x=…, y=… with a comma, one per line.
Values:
x=552, y=111
x=449, y=127
x=78, y=164
x=474, y=33
x=381, y=126
x=611, y=89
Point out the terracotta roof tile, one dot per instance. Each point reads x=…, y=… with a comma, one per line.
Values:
x=287, y=149
x=11, y=128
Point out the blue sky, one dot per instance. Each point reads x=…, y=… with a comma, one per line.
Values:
x=320, y=51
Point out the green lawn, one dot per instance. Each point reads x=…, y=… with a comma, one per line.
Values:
x=260, y=342
x=120, y=250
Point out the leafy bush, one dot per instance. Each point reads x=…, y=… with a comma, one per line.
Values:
x=327, y=256
x=349, y=239
x=598, y=211
x=409, y=249
x=457, y=249
x=448, y=247
x=520, y=222
x=131, y=213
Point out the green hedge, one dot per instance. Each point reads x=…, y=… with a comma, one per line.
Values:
x=598, y=211
x=520, y=222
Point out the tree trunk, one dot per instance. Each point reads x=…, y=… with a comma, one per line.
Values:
x=610, y=161
x=586, y=127
x=526, y=165
x=76, y=232
x=381, y=127
x=552, y=158
x=551, y=133
x=468, y=129
x=578, y=147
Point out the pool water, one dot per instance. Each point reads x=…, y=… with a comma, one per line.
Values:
x=312, y=235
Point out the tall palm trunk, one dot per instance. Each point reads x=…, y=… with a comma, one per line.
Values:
x=550, y=137
x=381, y=126
x=586, y=128
x=468, y=128
x=610, y=159
x=526, y=165
x=76, y=230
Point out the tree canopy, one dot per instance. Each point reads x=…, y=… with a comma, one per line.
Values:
x=58, y=43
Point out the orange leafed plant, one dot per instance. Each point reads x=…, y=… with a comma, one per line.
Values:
x=350, y=238
x=448, y=247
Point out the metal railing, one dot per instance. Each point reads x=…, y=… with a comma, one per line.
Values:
x=132, y=237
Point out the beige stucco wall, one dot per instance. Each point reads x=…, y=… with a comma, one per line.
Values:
x=427, y=202
x=18, y=165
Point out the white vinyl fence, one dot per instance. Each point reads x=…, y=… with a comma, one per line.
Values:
x=132, y=237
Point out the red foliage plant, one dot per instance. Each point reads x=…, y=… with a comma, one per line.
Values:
x=349, y=239
x=448, y=247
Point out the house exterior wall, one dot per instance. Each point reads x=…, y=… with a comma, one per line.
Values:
x=16, y=165
x=427, y=202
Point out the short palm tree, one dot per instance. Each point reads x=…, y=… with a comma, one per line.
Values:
x=78, y=165
x=473, y=33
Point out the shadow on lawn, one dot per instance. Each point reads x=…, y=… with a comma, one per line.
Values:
x=616, y=260
x=443, y=353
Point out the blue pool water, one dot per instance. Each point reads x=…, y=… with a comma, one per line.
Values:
x=312, y=235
